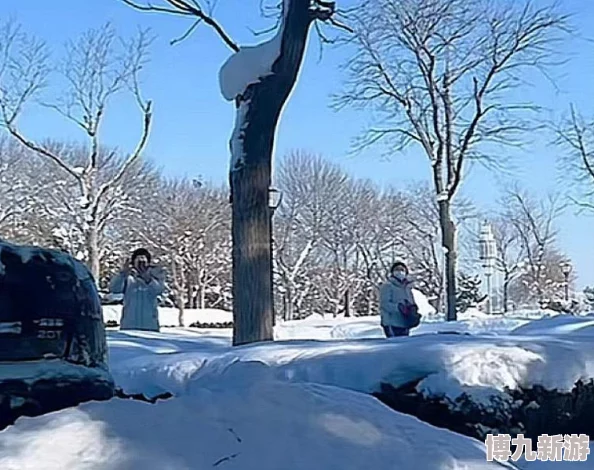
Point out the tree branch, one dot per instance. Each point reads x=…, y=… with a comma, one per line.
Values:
x=31, y=145
x=134, y=156
x=185, y=8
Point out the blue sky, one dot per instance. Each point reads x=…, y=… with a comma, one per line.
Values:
x=192, y=122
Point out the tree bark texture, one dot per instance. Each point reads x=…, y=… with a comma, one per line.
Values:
x=92, y=239
x=250, y=181
x=448, y=230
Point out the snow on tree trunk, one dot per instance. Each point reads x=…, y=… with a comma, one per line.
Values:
x=92, y=239
x=201, y=295
x=259, y=79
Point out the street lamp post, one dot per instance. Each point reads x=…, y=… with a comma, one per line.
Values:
x=487, y=253
x=275, y=198
x=566, y=268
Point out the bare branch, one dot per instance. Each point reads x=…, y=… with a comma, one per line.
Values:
x=340, y=25
x=533, y=227
x=132, y=159
x=42, y=151
x=189, y=9
x=184, y=36
x=151, y=8
x=441, y=73
x=576, y=136
x=24, y=70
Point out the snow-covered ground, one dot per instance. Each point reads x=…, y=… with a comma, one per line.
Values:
x=236, y=422
x=318, y=327
x=302, y=402
x=444, y=357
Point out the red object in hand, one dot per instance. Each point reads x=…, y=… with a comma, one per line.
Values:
x=407, y=309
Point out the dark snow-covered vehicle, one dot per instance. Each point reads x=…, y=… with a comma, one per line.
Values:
x=53, y=351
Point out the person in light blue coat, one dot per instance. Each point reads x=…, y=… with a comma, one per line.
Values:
x=141, y=284
x=398, y=309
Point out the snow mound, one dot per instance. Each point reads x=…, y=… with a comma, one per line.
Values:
x=54, y=369
x=444, y=365
x=319, y=328
x=522, y=464
x=558, y=325
x=482, y=372
x=239, y=423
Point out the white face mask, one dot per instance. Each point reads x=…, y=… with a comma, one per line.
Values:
x=400, y=275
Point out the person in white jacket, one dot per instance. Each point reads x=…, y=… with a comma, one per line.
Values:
x=398, y=309
x=141, y=283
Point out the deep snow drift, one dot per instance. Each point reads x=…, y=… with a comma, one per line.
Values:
x=243, y=420
x=447, y=365
x=295, y=404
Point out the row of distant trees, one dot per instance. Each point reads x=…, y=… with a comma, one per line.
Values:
x=335, y=235
x=439, y=75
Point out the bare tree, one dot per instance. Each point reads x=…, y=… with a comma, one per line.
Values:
x=208, y=258
x=511, y=254
x=96, y=68
x=188, y=228
x=24, y=185
x=259, y=80
x=441, y=75
x=422, y=245
x=339, y=240
x=534, y=222
x=44, y=202
x=576, y=136
x=15, y=197
x=322, y=226
x=422, y=239
x=303, y=180
x=332, y=238
x=380, y=232
x=337, y=237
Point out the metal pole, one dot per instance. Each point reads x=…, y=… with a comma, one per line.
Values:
x=489, y=299
x=495, y=291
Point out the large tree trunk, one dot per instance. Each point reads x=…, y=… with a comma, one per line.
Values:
x=92, y=242
x=259, y=109
x=252, y=289
x=201, y=296
x=448, y=230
